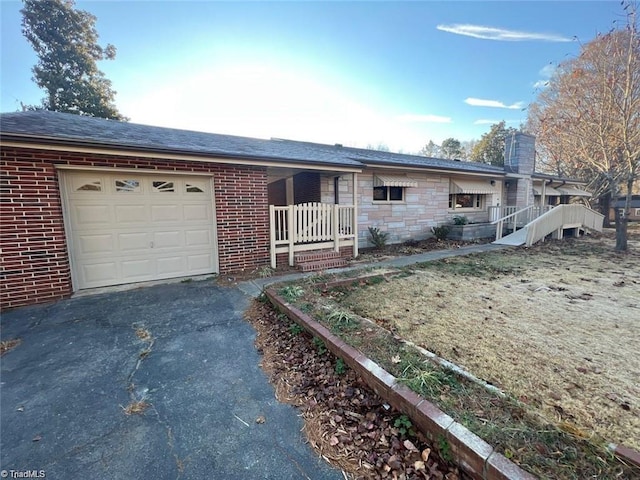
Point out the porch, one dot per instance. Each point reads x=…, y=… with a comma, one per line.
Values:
x=311, y=226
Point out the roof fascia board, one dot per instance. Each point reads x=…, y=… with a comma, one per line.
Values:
x=435, y=169
x=203, y=158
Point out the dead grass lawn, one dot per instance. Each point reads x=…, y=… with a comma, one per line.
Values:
x=557, y=325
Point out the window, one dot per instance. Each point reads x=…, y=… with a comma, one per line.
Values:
x=193, y=188
x=388, y=194
x=467, y=201
x=94, y=186
x=127, y=185
x=163, y=186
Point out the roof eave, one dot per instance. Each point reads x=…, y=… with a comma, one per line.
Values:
x=423, y=168
x=207, y=157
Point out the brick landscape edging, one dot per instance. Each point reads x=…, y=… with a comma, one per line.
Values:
x=472, y=454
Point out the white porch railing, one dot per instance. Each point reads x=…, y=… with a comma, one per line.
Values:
x=562, y=217
x=311, y=226
x=513, y=218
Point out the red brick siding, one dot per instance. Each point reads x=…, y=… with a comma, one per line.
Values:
x=34, y=264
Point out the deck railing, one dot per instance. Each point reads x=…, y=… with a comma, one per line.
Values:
x=311, y=226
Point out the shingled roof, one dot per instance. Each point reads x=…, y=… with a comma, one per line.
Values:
x=68, y=129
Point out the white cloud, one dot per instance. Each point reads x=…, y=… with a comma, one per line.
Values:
x=412, y=118
x=546, y=72
x=479, y=102
x=501, y=34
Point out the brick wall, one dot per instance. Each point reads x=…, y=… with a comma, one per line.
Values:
x=34, y=264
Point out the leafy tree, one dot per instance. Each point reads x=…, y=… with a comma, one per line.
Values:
x=589, y=115
x=452, y=148
x=490, y=148
x=65, y=40
x=381, y=147
x=430, y=150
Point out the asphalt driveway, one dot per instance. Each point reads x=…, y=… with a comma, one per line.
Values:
x=82, y=362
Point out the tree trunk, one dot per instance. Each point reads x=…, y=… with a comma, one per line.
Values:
x=622, y=218
x=621, y=231
x=605, y=206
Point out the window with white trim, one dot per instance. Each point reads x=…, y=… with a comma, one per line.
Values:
x=388, y=194
x=466, y=201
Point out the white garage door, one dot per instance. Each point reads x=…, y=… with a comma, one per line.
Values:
x=129, y=227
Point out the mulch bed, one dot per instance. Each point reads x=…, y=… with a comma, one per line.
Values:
x=345, y=421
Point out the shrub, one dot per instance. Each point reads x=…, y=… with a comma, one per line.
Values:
x=440, y=232
x=378, y=238
x=460, y=220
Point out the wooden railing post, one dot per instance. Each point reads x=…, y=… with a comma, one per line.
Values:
x=292, y=224
x=336, y=227
x=272, y=235
x=354, y=215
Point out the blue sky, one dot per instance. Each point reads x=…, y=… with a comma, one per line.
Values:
x=357, y=73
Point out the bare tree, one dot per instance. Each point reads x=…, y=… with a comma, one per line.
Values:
x=588, y=118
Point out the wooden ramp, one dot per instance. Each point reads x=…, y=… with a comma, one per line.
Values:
x=517, y=238
x=554, y=222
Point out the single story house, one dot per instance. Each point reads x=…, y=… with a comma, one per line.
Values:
x=89, y=202
x=634, y=208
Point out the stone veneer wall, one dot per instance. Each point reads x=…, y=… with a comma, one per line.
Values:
x=425, y=206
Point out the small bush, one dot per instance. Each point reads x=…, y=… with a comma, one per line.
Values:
x=440, y=232
x=295, y=329
x=291, y=293
x=340, y=367
x=460, y=220
x=378, y=238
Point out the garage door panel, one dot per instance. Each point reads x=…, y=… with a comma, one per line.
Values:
x=127, y=228
x=167, y=239
x=96, y=244
x=138, y=268
x=197, y=238
x=200, y=263
x=197, y=213
x=131, y=242
x=100, y=273
x=171, y=265
x=131, y=213
x=166, y=213
x=92, y=214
